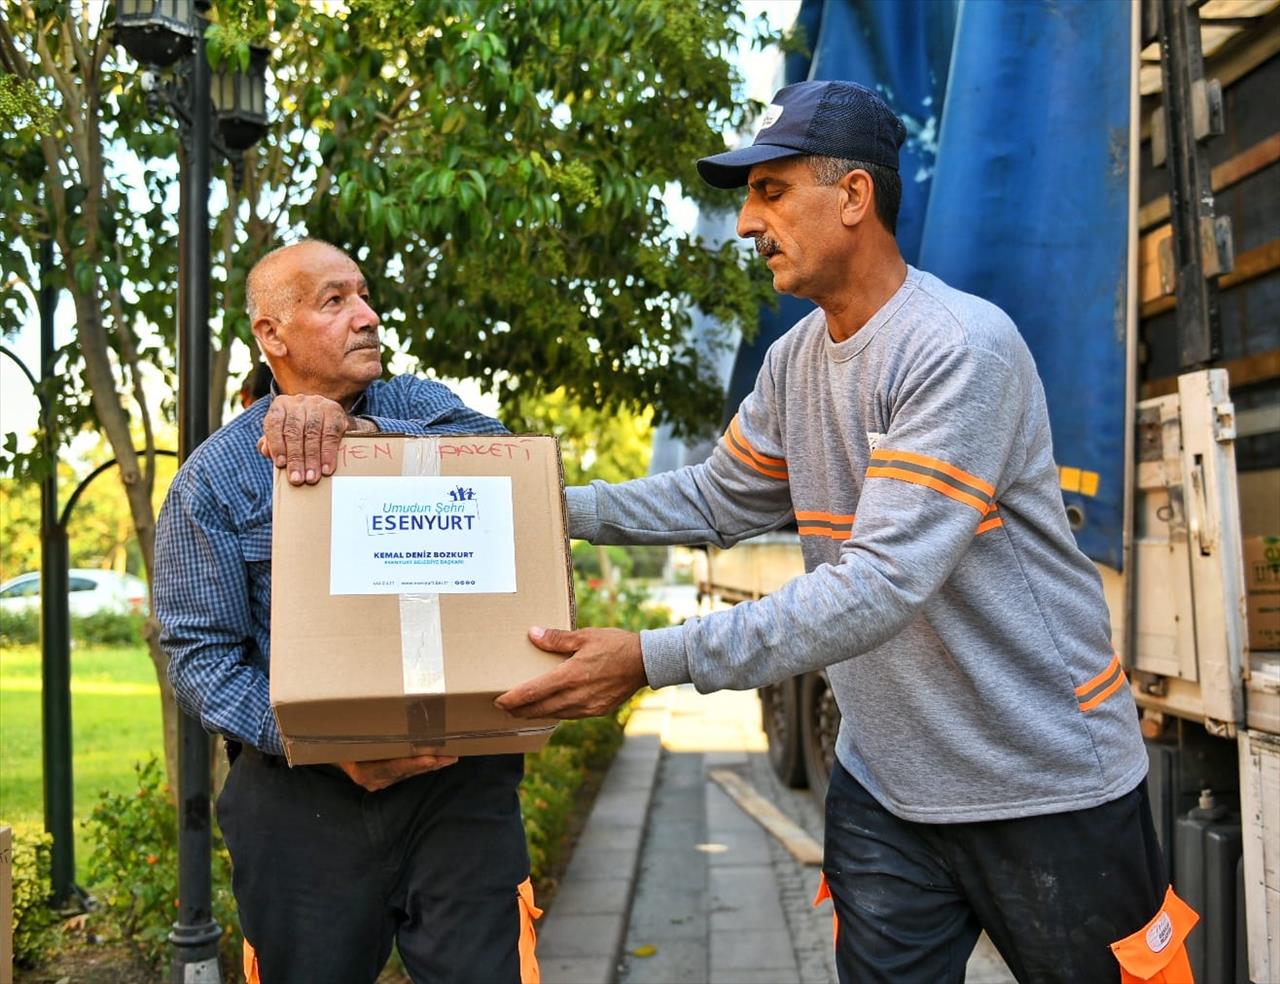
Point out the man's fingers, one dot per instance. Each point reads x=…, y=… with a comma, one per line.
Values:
x=430, y=762
x=273, y=435
x=301, y=434
x=519, y=700
x=562, y=705
x=335, y=425
x=312, y=438
x=378, y=775
x=543, y=709
x=556, y=640
x=291, y=431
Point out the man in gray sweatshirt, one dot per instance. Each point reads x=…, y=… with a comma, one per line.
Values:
x=990, y=772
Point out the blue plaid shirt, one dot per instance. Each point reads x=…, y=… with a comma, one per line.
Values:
x=213, y=556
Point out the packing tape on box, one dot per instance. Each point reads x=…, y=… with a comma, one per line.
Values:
x=425, y=719
x=421, y=637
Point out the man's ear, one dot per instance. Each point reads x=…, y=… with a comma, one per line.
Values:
x=858, y=197
x=266, y=330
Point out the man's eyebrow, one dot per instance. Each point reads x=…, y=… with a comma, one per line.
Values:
x=359, y=282
x=762, y=184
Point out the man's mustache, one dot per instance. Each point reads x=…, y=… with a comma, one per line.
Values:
x=766, y=246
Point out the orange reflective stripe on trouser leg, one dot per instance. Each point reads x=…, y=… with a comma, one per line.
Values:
x=529, y=973
x=824, y=895
x=250, y=965
x=1157, y=953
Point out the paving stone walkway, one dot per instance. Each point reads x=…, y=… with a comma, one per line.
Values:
x=673, y=883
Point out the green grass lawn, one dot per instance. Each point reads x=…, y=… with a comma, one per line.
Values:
x=115, y=721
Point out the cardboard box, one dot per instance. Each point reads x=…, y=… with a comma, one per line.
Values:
x=1262, y=591
x=403, y=589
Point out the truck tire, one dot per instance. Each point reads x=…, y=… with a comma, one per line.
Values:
x=819, y=726
x=780, y=718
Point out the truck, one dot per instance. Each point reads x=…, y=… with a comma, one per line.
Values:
x=1107, y=172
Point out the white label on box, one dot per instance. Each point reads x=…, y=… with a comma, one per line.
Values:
x=414, y=535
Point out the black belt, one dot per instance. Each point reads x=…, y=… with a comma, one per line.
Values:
x=237, y=748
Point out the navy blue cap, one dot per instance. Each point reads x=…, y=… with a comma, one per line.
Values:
x=822, y=119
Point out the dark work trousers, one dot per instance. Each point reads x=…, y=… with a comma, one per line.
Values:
x=327, y=875
x=1051, y=891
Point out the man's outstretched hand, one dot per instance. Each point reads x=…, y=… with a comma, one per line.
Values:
x=605, y=668
x=382, y=773
x=300, y=433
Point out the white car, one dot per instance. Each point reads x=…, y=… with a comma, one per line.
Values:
x=91, y=591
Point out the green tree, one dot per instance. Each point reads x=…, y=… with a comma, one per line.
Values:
x=593, y=443
x=497, y=166
x=100, y=532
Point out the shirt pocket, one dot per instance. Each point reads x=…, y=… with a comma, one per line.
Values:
x=255, y=548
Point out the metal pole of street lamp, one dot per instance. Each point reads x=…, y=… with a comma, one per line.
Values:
x=195, y=934
x=160, y=33
x=55, y=617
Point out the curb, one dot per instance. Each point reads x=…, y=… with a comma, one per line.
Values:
x=580, y=939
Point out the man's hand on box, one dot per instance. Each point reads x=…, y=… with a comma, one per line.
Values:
x=301, y=433
x=382, y=773
x=605, y=668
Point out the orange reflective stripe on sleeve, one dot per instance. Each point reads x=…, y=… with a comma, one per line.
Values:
x=1101, y=678
x=936, y=465
x=835, y=526
x=1157, y=953
x=764, y=459
x=835, y=519
x=250, y=965
x=1109, y=680
x=930, y=481
x=824, y=895
x=919, y=469
x=738, y=446
x=529, y=973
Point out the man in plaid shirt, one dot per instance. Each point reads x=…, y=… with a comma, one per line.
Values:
x=332, y=863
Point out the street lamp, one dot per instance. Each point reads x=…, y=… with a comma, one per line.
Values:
x=240, y=101
x=162, y=33
x=156, y=32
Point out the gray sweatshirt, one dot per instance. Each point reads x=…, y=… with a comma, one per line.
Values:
x=965, y=636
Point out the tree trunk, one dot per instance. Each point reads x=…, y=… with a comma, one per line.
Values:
x=168, y=705
x=111, y=414
x=218, y=374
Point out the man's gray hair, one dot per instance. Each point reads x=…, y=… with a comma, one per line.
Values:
x=264, y=292
x=887, y=182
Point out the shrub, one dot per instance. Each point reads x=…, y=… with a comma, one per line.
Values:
x=551, y=780
x=595, y=740
x=35, y=931
x=648, y=562
x=99, y=629
x=623, y=608
x=19, y=628
x=586, y=560
x=553, y=776
x=109, y=629
x=630, y=561
x=134, y=870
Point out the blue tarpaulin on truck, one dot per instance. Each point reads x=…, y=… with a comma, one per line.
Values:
x=1015, y=188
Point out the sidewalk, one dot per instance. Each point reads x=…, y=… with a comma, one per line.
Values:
x=672, y=883
x=712, y=898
